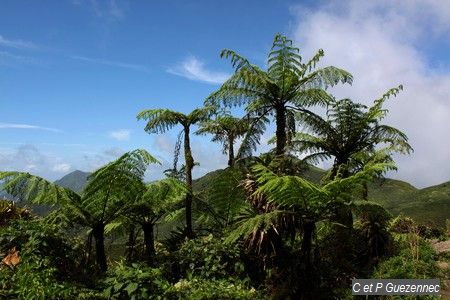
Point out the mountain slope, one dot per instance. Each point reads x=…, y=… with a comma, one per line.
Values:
x=430, y=205
x=75, y=181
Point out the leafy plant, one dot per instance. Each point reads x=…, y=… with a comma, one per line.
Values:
x=135, y=282
x=49, y=264
x=204, y=289
x=210, y=258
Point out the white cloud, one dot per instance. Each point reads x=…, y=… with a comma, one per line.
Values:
x=117, y=64
x=28, y=158
x=120, y=135
x=378, y=42
x=61, y=168
x=194, y=69
x=18, y=44
x=26, y=126
x=163, y=143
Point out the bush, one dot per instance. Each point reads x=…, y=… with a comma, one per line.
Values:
x=416, y=259
x=48, y=259
x=402, y=224
x=135, y=282
x=209, y=257
x=202, y=289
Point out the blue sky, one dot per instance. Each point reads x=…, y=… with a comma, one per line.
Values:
x=74, y=74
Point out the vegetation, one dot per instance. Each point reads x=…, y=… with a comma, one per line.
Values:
x=267, y=227
x=288, y=86
x=161, y=120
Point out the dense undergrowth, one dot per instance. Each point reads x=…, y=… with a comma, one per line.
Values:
x=54, y=265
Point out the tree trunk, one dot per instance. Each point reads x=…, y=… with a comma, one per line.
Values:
x=98, y=230
x=365, y=193
x=308, y=233
x=309, y=228
x=131, y=244
x=230, y=150
x=280, y=111
x=189, y=162
x=149, y=240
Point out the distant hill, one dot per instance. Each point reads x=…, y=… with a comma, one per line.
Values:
x=76, y=181
x=430, y=205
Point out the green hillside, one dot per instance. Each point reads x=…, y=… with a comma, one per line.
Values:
x=430, y=205
x=75, y=181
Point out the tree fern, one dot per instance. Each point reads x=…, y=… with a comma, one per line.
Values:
x=108, y=191
x=348, y=130
x=161, y=120
x=287, y=84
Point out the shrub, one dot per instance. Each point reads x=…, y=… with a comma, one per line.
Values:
x=135, y=282
x=416, y=259
x=48, y=259
x=210, y=257
x=202, y=289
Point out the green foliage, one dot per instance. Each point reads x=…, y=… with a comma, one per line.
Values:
x=49, y=262
x=209, y=257
x=372, y=224
x=226, y=129
x=135, y=282
x=158, y=198
x=288, y=85
x=161, y=120
x=103, y=200
x=35, y=279
x=221, y=289
x=223, y=199
x=350, y=134
x=10, y=211
x=415, y=258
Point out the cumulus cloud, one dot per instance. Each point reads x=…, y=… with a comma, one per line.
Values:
x=378, y=42
x=91, y=161
x=28, y=158
x=61, y=168
x=114, y=152
x=194, y=69
x=120, y=134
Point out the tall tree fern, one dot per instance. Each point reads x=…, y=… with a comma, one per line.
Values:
x=162, y=120
x=350, y=134
x=287, y=85
x=283, y=206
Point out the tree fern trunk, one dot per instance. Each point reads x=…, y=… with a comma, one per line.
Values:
x=149, y=240
x=189, y=161
x=230, y=151
x=308, y=233
x=280, y=111
x=98, y=231
x=131, y=244
x=309, y=228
